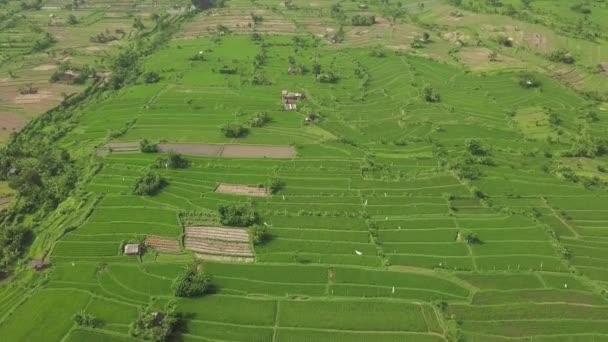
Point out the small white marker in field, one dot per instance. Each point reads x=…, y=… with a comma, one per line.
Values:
x=283, y=197
x=393, y=290
x=385, y=195
x=386, y=218
x=266, y=224
x=565, y=286
x=358, y=253
x=365, y=202
x=73, y=263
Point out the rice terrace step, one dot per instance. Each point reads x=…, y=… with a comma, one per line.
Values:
x=208, y=150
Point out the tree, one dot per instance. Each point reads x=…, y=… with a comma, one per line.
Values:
x=234, y=131
x=146, y=146
x=561, y=55
x=239, y=215
x=149, y=184
x=151, y=77
x=526, y=3
x=191, y=283
x=472, y=239
x=275, y=185
x=430, y=95
x=476, y=148
x=72, y=20
x=138, y=24
x=363, y=20
x=259, y=119
x=174, y=160
x=259, y=234
x=13, y=241
x=155, y=325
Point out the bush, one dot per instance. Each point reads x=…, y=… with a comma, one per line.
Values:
x=234, y=131
x=191, y=283
x=476, y=148
x=529, y=81
x=85, y=319
x=430, y=95
x=275, y=185
x=147, y=147
x=259, y=119
x=72, y=20
x=327, y=77
x=363, y=20
x=259, y=234
x=173, y=161
x=151, y=77
x=149, y=184
x=472, y=239
x=562, y=56
x=239, y=215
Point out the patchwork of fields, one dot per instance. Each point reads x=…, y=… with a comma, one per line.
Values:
x=421, y=195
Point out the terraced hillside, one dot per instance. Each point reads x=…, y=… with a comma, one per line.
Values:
x=425, y=175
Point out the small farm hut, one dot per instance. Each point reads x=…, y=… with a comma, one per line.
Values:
x=38, y=264
x=132, y=249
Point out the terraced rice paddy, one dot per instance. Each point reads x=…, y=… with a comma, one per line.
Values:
x=424, y=194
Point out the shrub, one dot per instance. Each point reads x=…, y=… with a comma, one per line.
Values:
x=476, y=148
x=529, y=81
x=259, y=234
x=13, y=241
x=151, y=77
x=259, y=119
x=147, y=147
x=72, y=20
x=363, y=20
x=239, y=215
x=275, y=185
x=234, y=131
x=430, y=95
x=191, y=283
x=505, y=41
x=327, y=77
x=562, y=56
x=472, y=239
x=174, y=160
x=85, y=319
x=149, y=184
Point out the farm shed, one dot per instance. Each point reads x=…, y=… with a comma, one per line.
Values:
x=38, y=264
x=132, y=249
x=286, y=95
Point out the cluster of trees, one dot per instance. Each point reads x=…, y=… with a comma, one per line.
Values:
x=13, y=241
x=192, y=282
x=239, y=215
x=154, y=325
x=106, y=36
x=259, y=234
x=275, y=185
x=529, y=81
x=149, y=184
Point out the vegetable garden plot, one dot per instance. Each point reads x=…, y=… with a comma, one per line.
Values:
x=215, y=242
x=231, y=151
x=162, y=244
x=243, y=190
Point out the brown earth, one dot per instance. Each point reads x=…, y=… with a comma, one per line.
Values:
x=244, y=190
x=193, y=149
x=162, y=244
x=219, y=243
x=10, y=122
x=259, y=151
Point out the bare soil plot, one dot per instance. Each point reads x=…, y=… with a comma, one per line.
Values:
x=10, y=122
x=5, y=202
x=231, y=151
x=239, y=189
x=258, y=151
x=162, y=244
x=193, y=149
x=215, y=243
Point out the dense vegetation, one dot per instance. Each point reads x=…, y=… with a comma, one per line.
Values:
x=443, y=177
